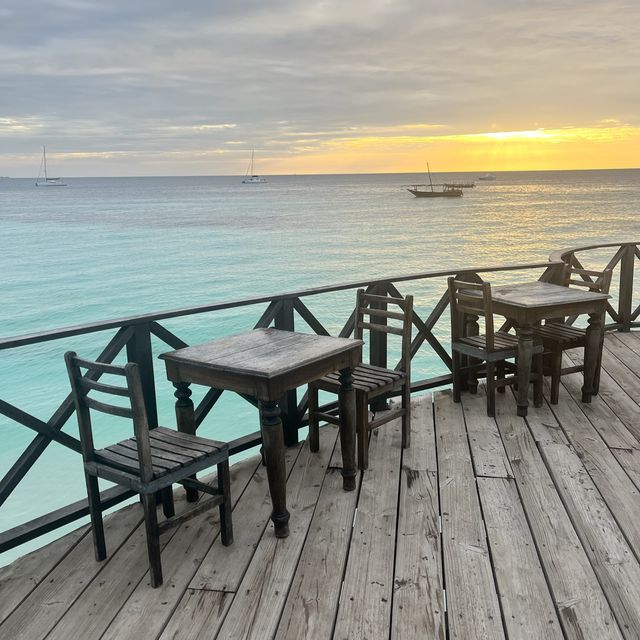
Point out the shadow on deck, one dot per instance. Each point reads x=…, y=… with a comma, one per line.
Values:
x=487, y=528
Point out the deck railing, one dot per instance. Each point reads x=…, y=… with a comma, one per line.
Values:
x=133, y=336
x=623, y=262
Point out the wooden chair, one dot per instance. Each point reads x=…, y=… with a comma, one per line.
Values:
x=493, y=348
x=557, y=336
x=148, y=463
x=371, y=381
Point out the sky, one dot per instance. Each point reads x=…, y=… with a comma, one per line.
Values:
x=152, y=87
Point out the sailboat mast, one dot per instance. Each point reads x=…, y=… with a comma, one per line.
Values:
x=44, y=161
x=251, y=169
x=429, y=172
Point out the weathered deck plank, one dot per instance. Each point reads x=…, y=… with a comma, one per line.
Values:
x=623, y=376
x=624, y=352
x=472, y=603
x=257, y=607
x=617, y=489
x=366, y=612
x=612, y=559
x=20, y=578
x=618, y=400
x=487, y=451
x=582, y=606
x=629, y=460
x=103, y=599
x=529, y=613
x=312, y=602
x=223, y=567
x=49, y=601
x=197, y=615
x=610, y=427
x=418, y=598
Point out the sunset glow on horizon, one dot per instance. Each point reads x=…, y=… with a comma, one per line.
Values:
x=611, y=146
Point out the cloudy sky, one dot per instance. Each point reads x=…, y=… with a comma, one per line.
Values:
x=143, y=87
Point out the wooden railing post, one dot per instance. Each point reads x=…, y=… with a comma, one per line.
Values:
x=139, y=351
x=284, y=320
x=625, y=292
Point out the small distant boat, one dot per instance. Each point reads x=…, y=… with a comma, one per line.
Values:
x=249, y=176
x=449, y=189
x=46, y=181
x=487, y=176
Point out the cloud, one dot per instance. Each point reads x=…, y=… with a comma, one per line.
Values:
x=158, y=76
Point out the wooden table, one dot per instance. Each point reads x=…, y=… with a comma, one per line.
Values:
x=265, y=363
x=530, y=302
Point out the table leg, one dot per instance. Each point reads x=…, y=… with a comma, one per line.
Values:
x=525, y=357
x=472, y=328
x=273, y=442
x=592, y=349
x=185, y=418
x=347, y=402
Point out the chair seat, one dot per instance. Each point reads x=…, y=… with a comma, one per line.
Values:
x=366, y=377
x=558, y=333
x=502, y=342
x=170, y=451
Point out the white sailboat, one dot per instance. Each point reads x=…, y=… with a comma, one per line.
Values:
x=46, y=181
x=249, y=176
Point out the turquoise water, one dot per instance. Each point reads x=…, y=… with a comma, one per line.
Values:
x=106, y=248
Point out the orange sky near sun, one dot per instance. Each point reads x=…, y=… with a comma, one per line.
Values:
x=609, y=146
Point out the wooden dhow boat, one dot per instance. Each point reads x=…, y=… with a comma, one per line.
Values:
x=449, y=189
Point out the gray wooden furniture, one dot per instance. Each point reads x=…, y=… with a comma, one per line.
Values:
x=148, y=463
x=371, y=381
x=529, y=303
x=556, y=335
x=265, y=363
x=490, y=349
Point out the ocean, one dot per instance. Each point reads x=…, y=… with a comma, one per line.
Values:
x=104, y=248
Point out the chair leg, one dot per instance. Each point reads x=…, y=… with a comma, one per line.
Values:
x=153, y=539
x=457, y=378
x=472, y=375
x=362, y=429
x=538, y=365
x=462, y=362
x=406, y=418
x=314, y=427
x=224, y=487
x=491, y=388
x=556, y=369
x=95, y=511
x=500, y=375
x=167, y=502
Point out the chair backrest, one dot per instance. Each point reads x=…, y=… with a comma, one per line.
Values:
x=599, y=281
x=471, y=298
x=375, y=308
x=84, y=385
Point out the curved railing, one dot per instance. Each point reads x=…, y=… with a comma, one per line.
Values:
x=133, y=336
x=624, y=309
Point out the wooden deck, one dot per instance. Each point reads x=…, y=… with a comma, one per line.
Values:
x=484, y=528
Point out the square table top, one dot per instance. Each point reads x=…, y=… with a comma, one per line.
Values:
x=538, y=294
x=262, y=362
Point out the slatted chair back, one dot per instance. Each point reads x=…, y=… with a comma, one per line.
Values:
x=597, y=281
x=471, y=298
x=84, y=386
x=373, y=308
